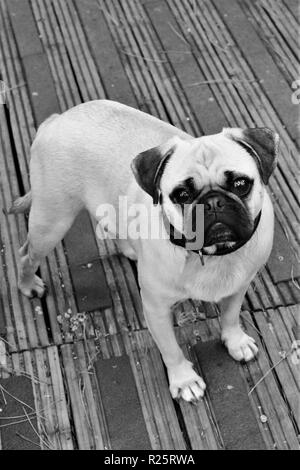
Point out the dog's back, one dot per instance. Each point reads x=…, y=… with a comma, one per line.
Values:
x=82, y=150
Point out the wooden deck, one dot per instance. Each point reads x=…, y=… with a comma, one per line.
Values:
x=79, y=368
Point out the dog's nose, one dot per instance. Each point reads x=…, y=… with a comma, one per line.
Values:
x=214, y=204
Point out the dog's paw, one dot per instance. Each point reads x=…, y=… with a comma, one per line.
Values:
x=240, y=346
x=36, y=288
x=185, y=382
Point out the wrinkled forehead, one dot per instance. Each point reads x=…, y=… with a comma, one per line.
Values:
x=206, y=159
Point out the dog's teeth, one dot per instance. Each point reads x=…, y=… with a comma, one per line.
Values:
x=210, y=250
x=230, y=244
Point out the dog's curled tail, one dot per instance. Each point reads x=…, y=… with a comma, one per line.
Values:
x=22, y=204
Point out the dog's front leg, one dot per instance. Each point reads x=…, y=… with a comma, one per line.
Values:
x=240, y=346
x=183, y=380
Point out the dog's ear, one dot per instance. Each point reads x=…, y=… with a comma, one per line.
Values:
x=262, y=143
x=149, y=165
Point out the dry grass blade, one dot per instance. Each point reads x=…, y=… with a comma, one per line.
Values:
x=5, y=341
x=147, y=59
x=195, y=7
x=172, y=51
x=3, y=389
x=17, y=417
x=4, y=399
x=270, y=370
x=3, y=92
x=82, y=389
x=48, y=445
x=86, y=344
x=178, y=34
x=23, y=373
x=220, y=80
x=28, y=440
x=33, y=413
x=13, y=423
x=109, y=16
x=294, y=280
x=251, y=324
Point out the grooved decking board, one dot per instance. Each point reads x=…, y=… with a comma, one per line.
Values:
x=104, y=52
x=208, y=113
x=274, y=403
x=274, y=84
x=37, y=72
x=199, y=419
x=13, y=437
x=293, y=6
x=40, y=86
x=82, y=236
x=159, y=410
x=282, y=263
x=228, y=394
x=272, y=387
x=25, y=28
x=2, y=322
x=90, y=287
x=125, y=420
x=95, y=424
x=278, y=328
x=87, y=274
x=93, y=293
x=89, y=282
x=278, y=30
x=22, y=328
x=129, y=45
x=36, y=379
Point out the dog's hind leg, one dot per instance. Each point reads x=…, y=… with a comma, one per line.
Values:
x=46, y=229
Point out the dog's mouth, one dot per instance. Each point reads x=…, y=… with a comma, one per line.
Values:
x=219, y=232
x=222, y=235
x=219, y=236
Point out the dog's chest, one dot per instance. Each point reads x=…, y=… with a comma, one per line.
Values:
x=218, y=278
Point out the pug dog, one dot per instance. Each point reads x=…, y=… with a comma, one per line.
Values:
x=98, y=151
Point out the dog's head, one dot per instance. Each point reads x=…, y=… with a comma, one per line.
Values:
x=225, y=172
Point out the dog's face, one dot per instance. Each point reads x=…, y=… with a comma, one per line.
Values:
x=225, y=172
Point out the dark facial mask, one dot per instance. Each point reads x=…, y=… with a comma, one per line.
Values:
x=217, y=217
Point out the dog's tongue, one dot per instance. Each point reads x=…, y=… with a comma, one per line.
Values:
x=219, y=233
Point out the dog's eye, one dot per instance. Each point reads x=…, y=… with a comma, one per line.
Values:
x=241, y=186
x=181, y=196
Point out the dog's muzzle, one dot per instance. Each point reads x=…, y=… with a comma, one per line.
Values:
x=217, y=223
